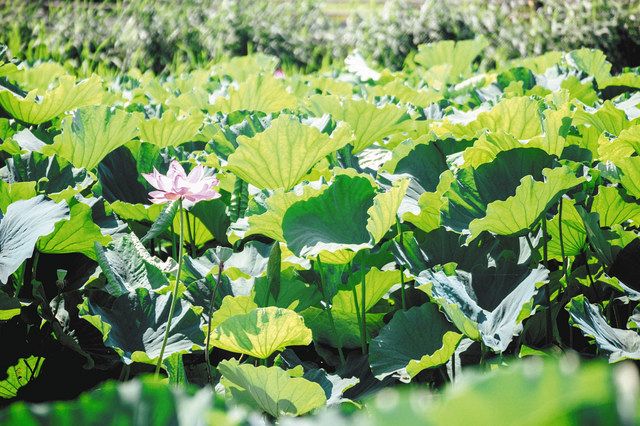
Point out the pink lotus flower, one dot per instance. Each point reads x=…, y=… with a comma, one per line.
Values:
x=176, y=184
x=279, y=74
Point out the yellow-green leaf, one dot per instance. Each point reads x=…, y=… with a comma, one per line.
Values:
x=282, y=155
x=92, y=133
x=40, y=106
x=518, y=213
x=261, y=332
x=170, y=129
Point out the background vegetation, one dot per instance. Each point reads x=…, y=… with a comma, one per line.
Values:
x=159, y=36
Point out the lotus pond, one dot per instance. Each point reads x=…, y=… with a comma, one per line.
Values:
x=455, y=242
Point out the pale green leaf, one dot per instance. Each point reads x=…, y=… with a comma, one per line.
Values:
x=92, y=133
x=283, y=154
x=257, y=93
x=40, y=106
x=271, y=389
x=261, y=332
x=516, y=214
x=171, y=129
x=369, y=123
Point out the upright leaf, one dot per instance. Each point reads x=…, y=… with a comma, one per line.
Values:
x=92, y=133
x=271, y=389
x=414, y=340
x=516, y=214
x=281, y=155
x=24, y=222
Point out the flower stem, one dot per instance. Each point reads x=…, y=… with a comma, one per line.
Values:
x=363, y=342
x=364, y=311
x=174, y=292
x=192, y=242
x=327, y=302
x=211, y=302
x=564, y=259
x=402, y=291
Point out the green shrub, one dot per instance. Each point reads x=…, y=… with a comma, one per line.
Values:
x=158, y=35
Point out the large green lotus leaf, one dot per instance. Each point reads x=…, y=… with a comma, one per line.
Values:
x=574, y=234
x=257, y=93
x=592, y=62
x=498, y=179
x=119, y=177
x=488, y=305
x=463, y=200
x=487, y=146
x=613, y=208
x=92, y=133
x=459, y=55
x=261, y=332
x=196, y=231
x=383, y=214
x=555, y=126
x=208, y=220
x=518, y=117
x=232, y=306
x=77, y=235
x=378, y=283
x=470, y=190
x=630, y=177
x=282, y=155
x=12, y=192
x=53, y=175
x=271, y=389
x=625, y=145
x=134, y=324
x=414, y=340
x=223, y=134
x=269, y=223
x=582, y=91
x=317, y=224
x=532, y=391
x=618, y=343
x=424, y=162
x=607, y=118
x=252, y=261
x=143, y=401
x=347, y=329
x=293, y=294
x=242, y=67
x=403, y=93
x=128, y=266
x=197, y=98
x=38, y=76
x=430, y=205
x=24, y=222
x=137, y=212
x=420, y=251
x=516, y=214
x=369, y=123
x=39, y=106
x=624, y=79
x=19, y=375
x=170, y=129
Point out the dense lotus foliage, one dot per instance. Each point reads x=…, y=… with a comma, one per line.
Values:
x=369, y=238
